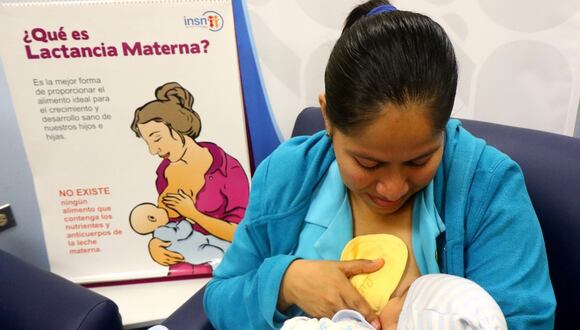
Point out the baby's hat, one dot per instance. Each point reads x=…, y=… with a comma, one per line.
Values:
x=449, y=302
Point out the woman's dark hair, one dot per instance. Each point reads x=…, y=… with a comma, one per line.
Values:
x=394, y=57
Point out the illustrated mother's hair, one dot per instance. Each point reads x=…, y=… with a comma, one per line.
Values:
x=173, y=107
x=391, y=57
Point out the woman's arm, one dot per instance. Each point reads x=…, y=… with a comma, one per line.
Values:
x=244, y=289
x=504, y=248
x=273, y=287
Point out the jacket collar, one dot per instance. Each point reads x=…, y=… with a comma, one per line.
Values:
x=331, y=195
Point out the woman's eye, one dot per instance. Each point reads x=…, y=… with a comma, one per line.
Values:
x=157, y=140
x=367, y=164
x=418, y=162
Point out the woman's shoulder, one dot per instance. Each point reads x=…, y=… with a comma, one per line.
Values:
x=464, y=150
x=471, y=165
x=302, y=154
x=287, y=177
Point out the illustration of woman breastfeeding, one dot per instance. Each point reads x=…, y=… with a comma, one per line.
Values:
x=197, y=182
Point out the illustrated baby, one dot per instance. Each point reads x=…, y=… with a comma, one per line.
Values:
x=196, y=248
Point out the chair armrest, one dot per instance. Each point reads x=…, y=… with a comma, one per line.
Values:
x=190, y=315
x=33, y=298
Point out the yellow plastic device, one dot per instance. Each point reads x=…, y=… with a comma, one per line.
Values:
x=377, y=287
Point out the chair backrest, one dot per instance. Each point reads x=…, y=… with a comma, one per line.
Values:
x=551, y=167
x=33, y=298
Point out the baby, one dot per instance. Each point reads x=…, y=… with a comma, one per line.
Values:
x=433, y=301
x=194, y=246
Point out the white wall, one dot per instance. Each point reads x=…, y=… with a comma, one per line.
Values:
x=519, y=59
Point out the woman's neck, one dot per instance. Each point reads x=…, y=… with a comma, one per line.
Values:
x=365, y=221
x=194, y=154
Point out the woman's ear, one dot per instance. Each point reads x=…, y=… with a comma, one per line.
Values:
x=327, y=124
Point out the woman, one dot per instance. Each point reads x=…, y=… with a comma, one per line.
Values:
x=195, y=180
x=391, y=162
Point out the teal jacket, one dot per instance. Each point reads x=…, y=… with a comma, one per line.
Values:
x=492, y=232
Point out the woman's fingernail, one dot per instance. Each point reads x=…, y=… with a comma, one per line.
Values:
x=376, y=324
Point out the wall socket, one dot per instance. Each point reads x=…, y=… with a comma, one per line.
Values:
x=6, y=217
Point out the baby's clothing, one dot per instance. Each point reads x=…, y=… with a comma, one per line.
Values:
x=343, y=320
x=195, y=247
x=435, y=301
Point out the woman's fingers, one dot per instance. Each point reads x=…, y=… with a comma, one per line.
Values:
x=321, y=288
x=173, y=256
x=327, y=306
x=354, y=300
x=361, y=266
x=172, y=197
x=159, y=253
x=172, y=201
x=163, y=243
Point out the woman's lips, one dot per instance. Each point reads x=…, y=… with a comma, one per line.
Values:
x=165, y=156
x=384, y=203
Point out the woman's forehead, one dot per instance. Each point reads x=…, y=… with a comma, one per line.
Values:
x=152, y=126
x=394, y=134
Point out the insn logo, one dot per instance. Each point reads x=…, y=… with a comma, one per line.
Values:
x=210, y=20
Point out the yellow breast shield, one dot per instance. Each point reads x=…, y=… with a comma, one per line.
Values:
x=377, y=287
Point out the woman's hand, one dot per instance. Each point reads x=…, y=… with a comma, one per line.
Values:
x=322, y=288
x=162, y=256
x=181, y=203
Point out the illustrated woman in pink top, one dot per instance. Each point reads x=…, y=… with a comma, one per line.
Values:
x=195, y=180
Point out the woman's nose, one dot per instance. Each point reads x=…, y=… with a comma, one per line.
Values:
x=392, y=186
x=153, y=150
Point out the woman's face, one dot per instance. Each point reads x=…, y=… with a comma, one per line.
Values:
x=162, y=141
x=386, y=162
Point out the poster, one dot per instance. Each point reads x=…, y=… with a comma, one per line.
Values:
x=133, y=124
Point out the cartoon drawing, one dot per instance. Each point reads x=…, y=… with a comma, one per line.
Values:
x=198, y=182
x=195, y=247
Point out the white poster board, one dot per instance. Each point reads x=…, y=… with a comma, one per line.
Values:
x=77, y=72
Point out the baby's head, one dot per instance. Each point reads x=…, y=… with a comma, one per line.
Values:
x=147, y=217
x=443, y=299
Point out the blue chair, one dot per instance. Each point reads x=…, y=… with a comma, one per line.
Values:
x=32, y=298
x=551, y=167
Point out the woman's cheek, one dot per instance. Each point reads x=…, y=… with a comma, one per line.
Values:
x=356, y=179
x=421, y=177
